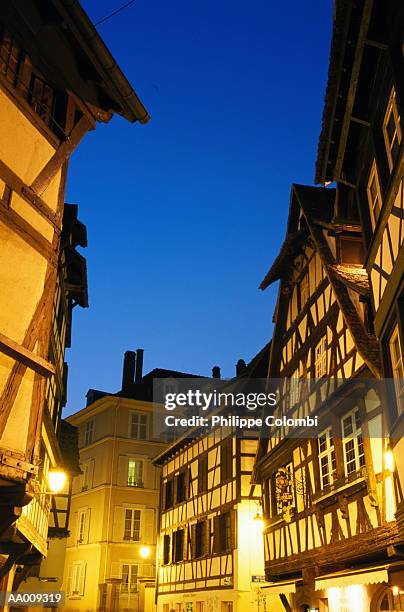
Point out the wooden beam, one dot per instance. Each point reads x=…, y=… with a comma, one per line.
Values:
x=375, y=43
x=30, y=359
x=67, y=147
x=34, y=238
x=360, y=121
x=367, y=11
x=12, y=180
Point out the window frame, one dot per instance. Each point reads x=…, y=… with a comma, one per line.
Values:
x=395, y=366
x=330, y=455
x=357, y=445
x=203, y=472
x=135, y=525
x=126, y=587
x=137, y=483
x=89, y=432
x=140, y=415
x=392, y=110
x=321, y=359
x=374, y=176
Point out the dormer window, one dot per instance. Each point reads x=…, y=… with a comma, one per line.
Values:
x=374, y=194
x=392, y=130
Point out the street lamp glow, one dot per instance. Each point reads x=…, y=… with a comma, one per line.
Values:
x=56, y=480
x=389, y=460
x=258, y=522
x=145, y=552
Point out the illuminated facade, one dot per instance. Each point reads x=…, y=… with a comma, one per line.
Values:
x=57, y=79
x=333, y=504
x=210, y=552
x=111, y=550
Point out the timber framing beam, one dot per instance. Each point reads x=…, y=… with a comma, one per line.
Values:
x=28, y=358
x=67, y=147
x=367, y=11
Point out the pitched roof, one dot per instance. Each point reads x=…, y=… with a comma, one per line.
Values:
x=340, y=280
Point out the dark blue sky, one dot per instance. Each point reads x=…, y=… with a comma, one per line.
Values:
x=185, y=214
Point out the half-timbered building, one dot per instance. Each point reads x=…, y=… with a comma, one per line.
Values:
x=57, y=79
x=210, y=552
x=332, y=502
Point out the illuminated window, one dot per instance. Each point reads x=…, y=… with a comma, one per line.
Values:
x=354, y=454
x=392, y=130
x=138, y=426
x=326, y=458
x=135, y=473
x=129, y=577
x=320, y=358
x=294, y=389
x=374, y=194
x=132, y=524
x=396, y=355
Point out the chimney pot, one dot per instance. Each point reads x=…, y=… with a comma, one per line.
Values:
x=129, y=364
x=240, y=367
x=139, y=365
x=215, y=372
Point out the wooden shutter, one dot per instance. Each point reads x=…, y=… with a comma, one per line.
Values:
x=233, y=528
x=118, y=524
x=90, y=475
x=122, y=475
x=216, y=535
x=82, y=578
x=206, y=539
x=193, y=541
x=115, y=570
x=185, y=544
x=68, y=586
x=86, y=535
x=163, y=495
x=147, y=528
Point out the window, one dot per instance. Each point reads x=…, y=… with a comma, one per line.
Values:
x=89, y=433
x=138, y=426
x=392, y=130
x=326, y=458
x=294, y=389
x=200, y=606
x=168, y=497
x=129, y=578
x=41, y=98
x=181, y=487
x=201, y=539
x=81, y=526
x=304, y=290
x=374, y=194
x=166, y=549
x=135, y=473
x=226, y=606
x=84, y=476
x=178, y=545
x=354, y=455
x=222, y=533
x=351, y=251
x=132, y=524
x=396, y=356
x=11, y=57
x=226, y=460
x=320, y=358
x=77, y=576
x=203, y=473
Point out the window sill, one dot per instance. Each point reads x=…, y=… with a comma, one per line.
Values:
x=347, y=485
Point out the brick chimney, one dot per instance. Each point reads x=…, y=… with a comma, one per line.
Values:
x=215, y=372
x=139, y=365
x=128, y=373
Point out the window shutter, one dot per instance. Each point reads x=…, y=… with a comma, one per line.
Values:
x=216, y=534
x=122, y=476
x=115, y=570
x=175, y=489
x=193, y=541
x=82, y=578
x=118, y=525
x=90, y=474
x=86, y=537
x=185, y=544
x=68, y=586
x=163, y=495
x=233, y=525
x=206, y=540
x=147, y=534
x=187, y=484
